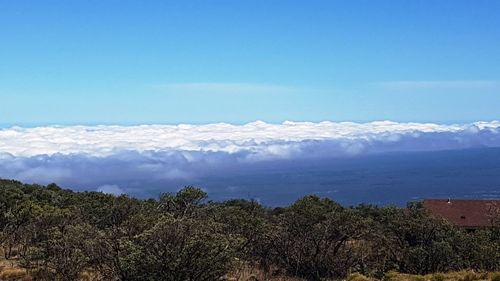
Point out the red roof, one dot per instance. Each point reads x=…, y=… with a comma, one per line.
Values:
x=465, y=213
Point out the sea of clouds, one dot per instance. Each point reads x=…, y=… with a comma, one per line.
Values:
x=102, y=157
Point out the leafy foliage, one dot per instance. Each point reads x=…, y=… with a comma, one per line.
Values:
x=57, y=234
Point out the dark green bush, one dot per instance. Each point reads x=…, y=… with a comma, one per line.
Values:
x=57, y=234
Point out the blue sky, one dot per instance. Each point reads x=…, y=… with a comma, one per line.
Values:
x=133, y=62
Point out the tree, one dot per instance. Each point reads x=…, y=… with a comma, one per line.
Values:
x=317, y=239
x=183, y=203
x=179, y=249
x=62, y=255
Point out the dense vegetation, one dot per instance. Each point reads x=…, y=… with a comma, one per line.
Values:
x=57, y=234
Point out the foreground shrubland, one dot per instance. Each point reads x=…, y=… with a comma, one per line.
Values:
x=48, y=233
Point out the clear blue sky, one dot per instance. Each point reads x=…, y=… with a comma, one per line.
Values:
x=130, y=62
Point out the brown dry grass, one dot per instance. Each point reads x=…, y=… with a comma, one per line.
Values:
x=248, y=273
x=14, y=274
x=9, y=271
x=449, y=276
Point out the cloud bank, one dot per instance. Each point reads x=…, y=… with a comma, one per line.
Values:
x=122, y=159
x=257, y=139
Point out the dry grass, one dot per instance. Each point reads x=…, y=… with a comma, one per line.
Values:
x=449, y=276
x=14, y=274
x=359, y=277
x=89, y=276
x=10, y=272
x=495, y=276
x=248, y=273
x=251, y=274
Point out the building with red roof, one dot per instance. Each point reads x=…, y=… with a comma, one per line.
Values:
x=469, y=214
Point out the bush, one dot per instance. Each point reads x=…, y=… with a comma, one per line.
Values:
x=57, y=234
x=182, y=249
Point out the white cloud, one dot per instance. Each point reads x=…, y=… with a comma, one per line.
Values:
x=111, y=189
x=256, y=140
x=139, y=158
